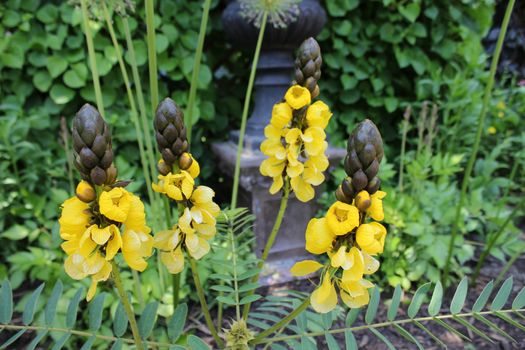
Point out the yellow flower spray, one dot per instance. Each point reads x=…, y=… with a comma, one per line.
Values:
x=345, y=234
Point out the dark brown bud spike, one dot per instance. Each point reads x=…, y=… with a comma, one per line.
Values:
x=308, y=66
x=170, y=131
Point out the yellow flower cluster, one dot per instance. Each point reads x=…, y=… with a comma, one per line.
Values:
x=296, y=143
x=351, y=245
x=197, y=219
x=96, y=229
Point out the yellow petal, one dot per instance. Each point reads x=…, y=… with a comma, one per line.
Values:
x=339, y=258
x=92, y=290
x=74, y=219
x=371, y=264
x=194, y=170
x=174, y=261
x=197, y=246
x=303, y=190
x=74, y=266
x=356, y=270
x=281, y=115
x=297, y=96
x=185, y=222
x=100, y=235
x=376, y=206
x=115, y=204
x=293, y=135
x=342, y=218
x=371, y=237
x=114, y=244
x=202, y=194
x=305, y=267
x=277, y=184
x=324, y=298
x=136, y=220
x=355, y=302
x=318, y=114
x=318, y=236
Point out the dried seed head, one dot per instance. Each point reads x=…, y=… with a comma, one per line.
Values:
x=92, y=144
x=170, y=131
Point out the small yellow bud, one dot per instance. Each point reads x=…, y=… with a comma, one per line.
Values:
x=163, y=168
x=185, y=161
x=362, y=201
x=85, y=192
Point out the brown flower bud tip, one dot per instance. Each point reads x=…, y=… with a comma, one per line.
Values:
x=98, y=176
x=85, y=192
x=340, y=196
x=347, y=188
x=185, y=161
x=163, y=168
x=111, y=175
x=170, y=131
x=362, y=201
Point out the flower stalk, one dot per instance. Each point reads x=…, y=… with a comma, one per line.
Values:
x=127, y=305
x=196, y=69
x=246, y=107
x=152, y=55
x=477, y=141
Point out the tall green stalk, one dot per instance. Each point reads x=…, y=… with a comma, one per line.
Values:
x=127, y=305
x=92, y=58
x=270, y=241
x=196, y=68
x=152, y=55
x=204, y=304
x=403, y=147
x=475, y=147
x=244, y=117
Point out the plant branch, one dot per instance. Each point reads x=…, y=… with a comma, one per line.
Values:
x=92, y=58
x=152, y=55
x=127, y=305
x=477, y=141
x=196, y=69
x=246, y=107
x=204, y=304
x=270, y=241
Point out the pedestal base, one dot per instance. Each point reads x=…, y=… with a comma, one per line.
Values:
x=253, y=194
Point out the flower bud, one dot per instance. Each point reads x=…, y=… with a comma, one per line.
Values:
x=111, y=175
x=170, y=131
x=308, y=66
x=341, y=197
x=362, y=201
x=163, y=168
x=185, y=161
x=85, y=192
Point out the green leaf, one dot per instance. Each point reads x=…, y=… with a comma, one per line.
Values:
x=205, y=77
x=34, y=343
x=405, y=334
x=42, y=81
x=72, y=309
x=482, y=299
x=417, y=300
x=372, y=306
x=196, y=343
x=15, y=233
x=382, y=338
x=51, y=306
x=56, y=65
x=6, y=302
x=518, y=303
x=352, y=316
x=249, y=299
x=394, y=305
x=222, y=288
x=226, y=300
x=161, y=43
x=61, y=94
x=503, y=294
x=96, y=308
x=331, y=342
x=410, y=12
x=391, y=104
x=472, y=328
x=437, y=298
x=89, y=343
x=73, y=79
x=458, y=300
x=47, y=14
x=350, y=342
x=147, y=319
x=60, y=342
x=120, y=323
x=30, y=308
x=177, y=321
x=117, y=345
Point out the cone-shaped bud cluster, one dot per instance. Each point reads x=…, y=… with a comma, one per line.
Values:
x=365, y=152
x=92, y=144
x=170, y=132
x=308, y=66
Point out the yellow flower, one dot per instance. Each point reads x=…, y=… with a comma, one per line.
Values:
x=324, y=298
x=204, y=211
x=318, y=114
x=100, y=276
x=272, y=167
x=196, y=245
x=277, y=184
x=167, y=240
x=281, y=115
x=305, y=267
x=313, y=139
x=194, y=170
x=355, y=294
x=273, y=146
x=173, y=260
x=177, y=186
x=297, y=97
x=342, y=218
x=136, y=220
x=371, y=237
x=135, y=247
x=75, y=218
x=375, y=211
x=110, y=235
x=501, y=105
x=85, y=192
x=492, y=130
x=79, y=266
x=302, y=189
x=318, y=236
x=314, y=168
x=115, y=204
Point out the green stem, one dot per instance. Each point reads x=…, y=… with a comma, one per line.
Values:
x=403, y=146
x=492, y=240
x=204, y=304
x=69, y=154
x=138, y=288
x=152, y=55
x=383, y=324
x=261, y=336
x=92, y=59
x=235, y=282
x=475, y=147
x=196, y=67
x=244, y=117
x=127, y=305
x=270, y=241
x=131, y=100
x=140, y=96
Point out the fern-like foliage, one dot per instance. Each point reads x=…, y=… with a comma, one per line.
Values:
x=306, y=330
x=235, y=227
x=56, y=335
